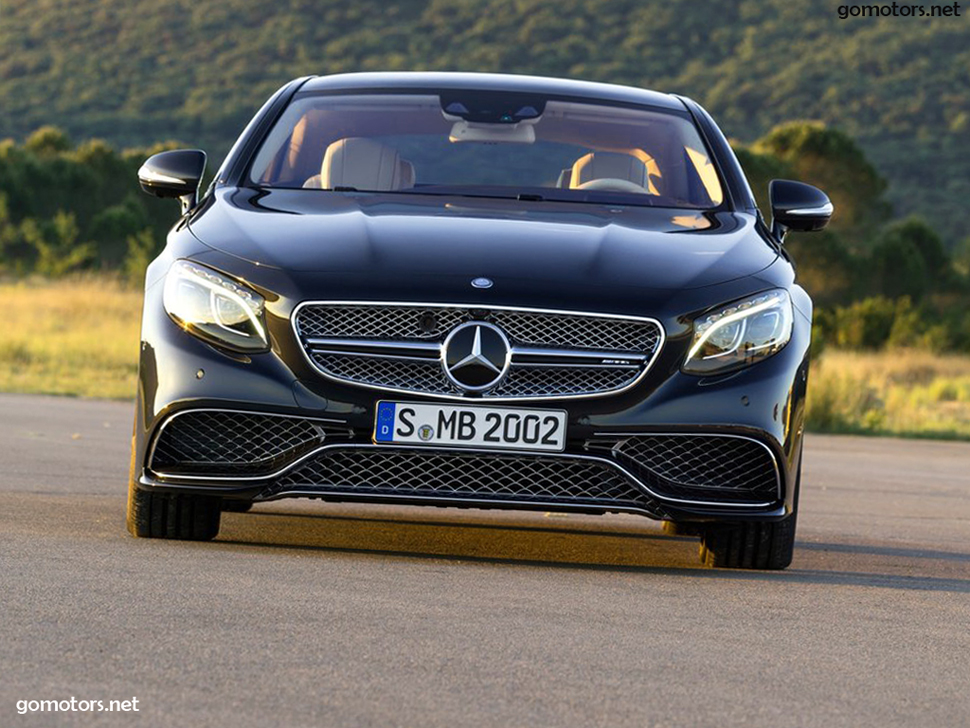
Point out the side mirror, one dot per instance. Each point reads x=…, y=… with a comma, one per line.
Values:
x=174, y=174
x=797, y=206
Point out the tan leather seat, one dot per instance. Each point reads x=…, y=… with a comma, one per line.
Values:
x=363, y=164
x=609, y=165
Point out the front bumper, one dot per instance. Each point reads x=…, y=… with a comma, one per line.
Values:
x=674, y=447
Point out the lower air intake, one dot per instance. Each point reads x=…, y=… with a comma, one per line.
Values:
x=225, y=443
x=711, y=468
x=456, y=476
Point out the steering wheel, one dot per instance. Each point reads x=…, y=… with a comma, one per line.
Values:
x=612, y=184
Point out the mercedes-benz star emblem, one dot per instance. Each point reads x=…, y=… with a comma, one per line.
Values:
x=482, y=283
x=476, y=356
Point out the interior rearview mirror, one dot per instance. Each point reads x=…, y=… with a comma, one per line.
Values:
x=174, y=174
x=797, y=206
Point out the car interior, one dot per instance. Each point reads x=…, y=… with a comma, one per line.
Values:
x=386, y=148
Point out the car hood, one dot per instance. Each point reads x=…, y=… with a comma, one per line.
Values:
x=377, y=237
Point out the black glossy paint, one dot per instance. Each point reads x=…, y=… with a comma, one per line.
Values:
x=175, y=173
x=299, y=245
x=789, y=202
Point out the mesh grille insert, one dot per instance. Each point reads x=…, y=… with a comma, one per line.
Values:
x=702, y=467
x=577, y=332
x=457, y=475
x=214, y=442
x=543, y=381
x=392, y=323
x=601, y=336
x=418, y=376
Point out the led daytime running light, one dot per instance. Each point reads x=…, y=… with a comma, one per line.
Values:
x=729, y=316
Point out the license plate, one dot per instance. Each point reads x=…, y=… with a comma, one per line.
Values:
x=464, y=426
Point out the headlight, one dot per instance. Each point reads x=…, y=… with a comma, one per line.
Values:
x=215, y=308
x=740, y=334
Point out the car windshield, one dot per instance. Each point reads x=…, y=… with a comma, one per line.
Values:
x=488, y=144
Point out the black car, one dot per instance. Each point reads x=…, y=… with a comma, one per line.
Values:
x=479, y=291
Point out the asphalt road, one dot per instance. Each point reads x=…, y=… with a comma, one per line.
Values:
x=304, y=614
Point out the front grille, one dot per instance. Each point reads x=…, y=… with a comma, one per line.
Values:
x=554, y=354
x=416, y=376
x=394, y=323
x=558, y=381
x=577, y=332
x=221, y=442
x=715, y=468
x=458, y=476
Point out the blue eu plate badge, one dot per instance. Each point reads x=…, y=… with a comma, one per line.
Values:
x=384, y=432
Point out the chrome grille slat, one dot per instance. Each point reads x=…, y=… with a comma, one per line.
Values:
x=572, y=342
x=417, y=376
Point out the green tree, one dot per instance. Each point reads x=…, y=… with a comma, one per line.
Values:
x=898, y=268
x=142, y=249
x=760, y=168
x=961, y=259
x=865, y=324
x=825, y=266
x=831, y=160
x=909, y=259
x=56, y=243
x=915, y=230
x=48, y=140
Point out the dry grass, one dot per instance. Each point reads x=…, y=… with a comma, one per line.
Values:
x=77, y=336
x=80, y=337
x=912, y=393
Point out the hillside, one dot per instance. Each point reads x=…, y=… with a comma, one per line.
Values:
x=143, y=71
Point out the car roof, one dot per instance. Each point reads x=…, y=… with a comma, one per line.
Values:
x=412, y=80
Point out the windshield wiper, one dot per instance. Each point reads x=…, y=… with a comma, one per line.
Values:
x=528, y=197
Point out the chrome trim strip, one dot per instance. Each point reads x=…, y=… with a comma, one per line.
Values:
x=420, y=448
x=771, y=453
x=430, y=351
x=369, y=355
x=826, y=209
x=146, y=174
x=194, y=410
x=662, y=338
x=596, y=354
x=458, y=502
x=354, y=346
x=558, y=365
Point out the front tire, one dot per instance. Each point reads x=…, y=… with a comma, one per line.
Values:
x=749, y=545
x=236, y=506
x=175, y=516
x=753, y=545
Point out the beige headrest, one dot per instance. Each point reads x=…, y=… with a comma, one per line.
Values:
x=603, y=165
x=360, y=163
